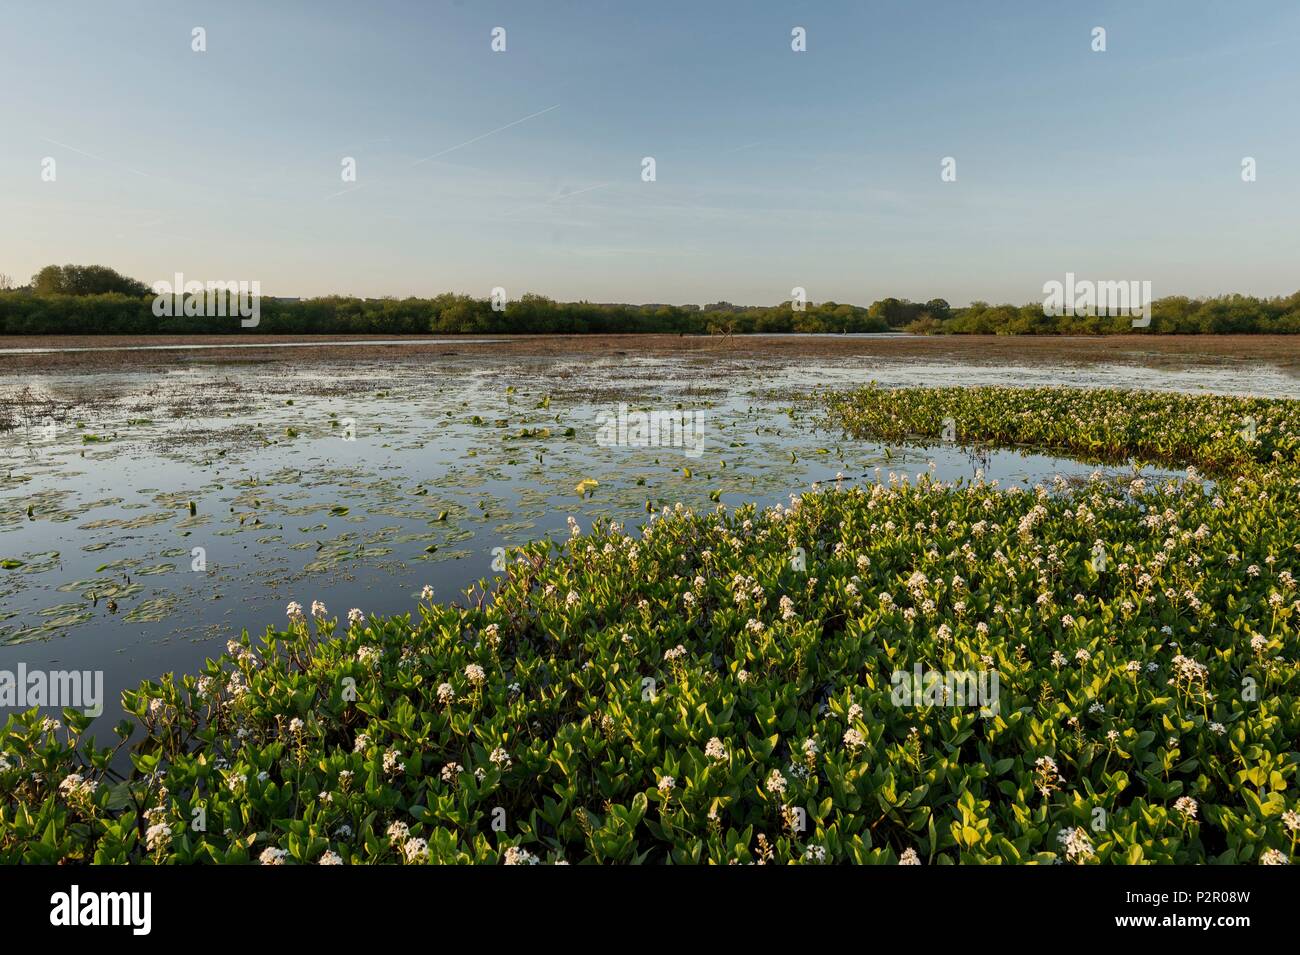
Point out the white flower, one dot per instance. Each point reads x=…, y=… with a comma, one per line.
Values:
x=451, y=771
x=666, y=784
x=776, y=783
x=715, y=750
x=158, y=837
x=426, y=593
x=393, y=762
x=501, y=759
x=446, y=695
x=518, y=856
x=1187, y=806
x=415, y=850
x=815, y=854
x=474, y=673
x=1076, y=843
x=272, y=856
x=909, y=857
x=318, y=609
x=74, y=786
x=330, y=857
x=398, y=832
x=1273, y=857
x=1188, y=669
x=355, y=616
x=853, y=739
x=296, y=725
x=293, y=611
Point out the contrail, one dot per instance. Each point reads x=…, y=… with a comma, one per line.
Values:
x=547, y=202
x=82, y=152
x=452, y=149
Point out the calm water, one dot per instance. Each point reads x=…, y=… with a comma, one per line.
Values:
x=358, y=483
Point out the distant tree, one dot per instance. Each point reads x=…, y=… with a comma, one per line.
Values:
x=6, y=282
x=85, y=280
x=897, y=312
x=721, y=307
x=927, y=324
x=938, y=309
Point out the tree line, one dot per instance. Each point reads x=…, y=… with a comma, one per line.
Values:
x=95, y=300
x=1173, y=315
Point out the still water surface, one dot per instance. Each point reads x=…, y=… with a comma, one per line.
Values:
x=358, y=483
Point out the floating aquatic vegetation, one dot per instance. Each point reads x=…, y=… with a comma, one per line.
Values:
x=153, y=609
x=135, y=523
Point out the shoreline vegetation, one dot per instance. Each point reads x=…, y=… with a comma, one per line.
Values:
x=96, y=300
x=716, y=687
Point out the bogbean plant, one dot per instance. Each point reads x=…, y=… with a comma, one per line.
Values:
x=719, y=687
x=1215, y=433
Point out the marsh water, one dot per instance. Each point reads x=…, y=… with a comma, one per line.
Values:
x=146, y=517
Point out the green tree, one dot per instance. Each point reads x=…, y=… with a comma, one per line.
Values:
x=85, y=280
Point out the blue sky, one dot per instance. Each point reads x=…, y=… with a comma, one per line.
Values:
x=775, y=169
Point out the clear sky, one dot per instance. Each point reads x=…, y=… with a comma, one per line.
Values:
x=774, y=168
